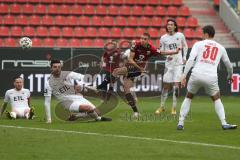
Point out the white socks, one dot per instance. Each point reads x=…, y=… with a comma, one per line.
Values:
x=164, y=97
x=184, y=110
x=174, y=98
x=220, y=111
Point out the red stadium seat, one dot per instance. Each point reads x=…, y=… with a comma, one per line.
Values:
x=64, y=9
x=86, y=43
x=97, y=21
x=71, y=20
x=162, y=31
x=108, y=21
x=184, y=11
x=76, y=9
x=15, y=8
x=188, y=32
x=28, y=31
x=157, y=43
x=3, y=8
x=132, y=21
x=9, y=42
x=82, y=1
x=79, y=32
x=142, y=2
x=157, y=21
x=198, y=33
x=172, y=11
x=104, y=32
x=194, y=41
x=21, y=20
x=139, y=31
x=124, y=10
x=130, y=2
x=144, y=21
x=84, y=21
x=54, y=32
x=121, y=21
x=112, y=10
x=153, y=32
x=107, y=2
x=60, y=20
x=118, y=2
x=70, y=1
x=89, y=10
x=94, y=2
x=48, y=42
x=61, y=42
x=8, y=20
x=27, y=9
x=16, y=31
x=42, y=31
x=4, y=31
x=192, y=22
x=74, y=43
x=91, y=32
x=34, y=20
x=98, y=43
x=57, y=1
x=165, y=2
x=52, y=9
x=181, y=21
x=36, y=42
x=177, y=2
x=216, y=2
x=128, y=32
x=116, y=32
x=47, y=20
x=67, y=32
x=153, y=2
x=137, y=11
x=40, y=9
x=101, y=10
x=149, y=11
x=161, y=11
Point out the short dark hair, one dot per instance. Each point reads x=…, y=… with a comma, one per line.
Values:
x=146, y=34
x=54, y=61
x=16, y=77
x=175, y=24
x=209, y=29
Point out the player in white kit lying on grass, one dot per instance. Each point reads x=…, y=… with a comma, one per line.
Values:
x=19, y=99
x=208, y=54
x=61, y=85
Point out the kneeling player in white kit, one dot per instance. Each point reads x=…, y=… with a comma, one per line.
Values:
x=19, y=99
x=173, y=65
x=208, y=54
x=61, y=85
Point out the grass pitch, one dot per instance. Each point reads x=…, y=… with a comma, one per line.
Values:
x=149, y=137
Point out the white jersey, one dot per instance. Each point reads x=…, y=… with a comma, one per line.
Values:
x=171, y=43
x=16, y=98
x=62, y=87
x=208, y=54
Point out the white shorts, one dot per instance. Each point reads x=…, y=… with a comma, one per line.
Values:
x=21, y=111
x=74, y=107
x=173, y=74
x=210, y=84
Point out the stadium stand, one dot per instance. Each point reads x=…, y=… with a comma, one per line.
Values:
x=83, y=23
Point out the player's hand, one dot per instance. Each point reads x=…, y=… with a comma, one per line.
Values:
x=183, y=81
x=230, y=80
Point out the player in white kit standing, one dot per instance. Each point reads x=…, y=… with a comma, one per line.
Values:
x=62, y=84
x=19, y=99
x=208, y=54
x=173, y=65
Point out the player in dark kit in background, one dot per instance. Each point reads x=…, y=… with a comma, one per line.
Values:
x=141, y=51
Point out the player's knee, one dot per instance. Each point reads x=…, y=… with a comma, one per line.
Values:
x=216, y=96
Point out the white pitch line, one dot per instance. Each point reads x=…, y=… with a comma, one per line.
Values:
x=124, y=136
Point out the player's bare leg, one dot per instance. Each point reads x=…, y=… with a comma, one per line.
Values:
x=175, y=97
x=164, y=96
x=219, y=108
x=127, y=84
x=185, y=107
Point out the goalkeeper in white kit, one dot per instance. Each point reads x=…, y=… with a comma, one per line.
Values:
x=208, y=54
x=61, y=85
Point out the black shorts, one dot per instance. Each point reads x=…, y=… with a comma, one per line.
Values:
x=133, y=72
